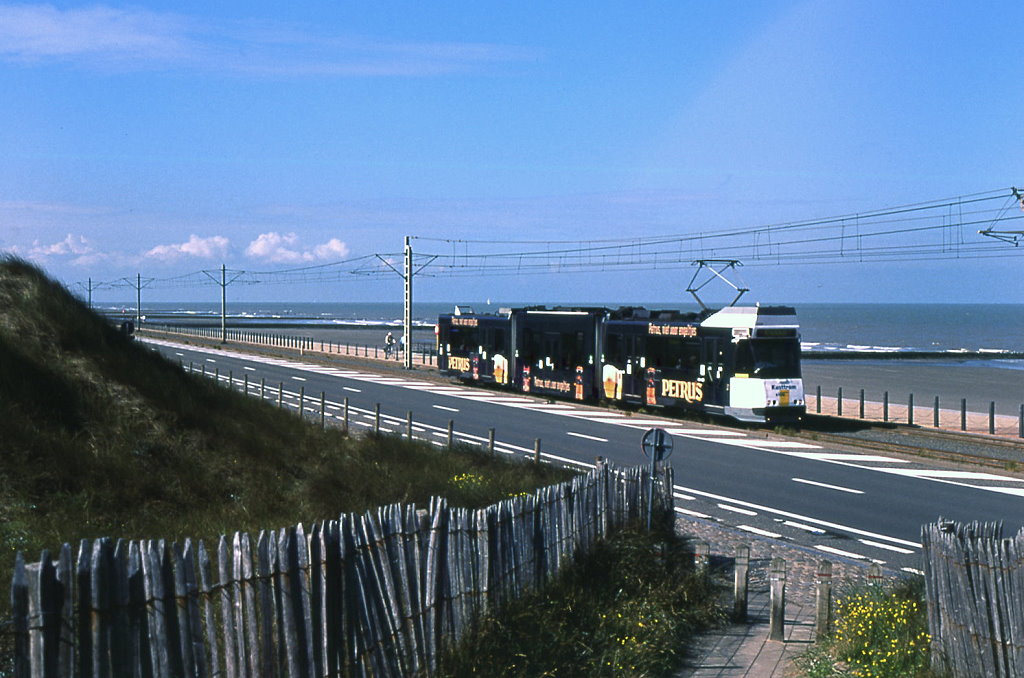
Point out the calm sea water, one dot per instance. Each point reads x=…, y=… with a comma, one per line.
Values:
x=838, y=327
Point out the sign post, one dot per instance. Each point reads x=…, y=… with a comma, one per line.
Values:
x=657, y=446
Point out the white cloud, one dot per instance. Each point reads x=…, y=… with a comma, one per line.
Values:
x=139, y=39
x=75, y=249
x=285, y=249
x=201, y=248
x=30, y=32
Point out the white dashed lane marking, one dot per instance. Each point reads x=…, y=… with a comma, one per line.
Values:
x=827, y=486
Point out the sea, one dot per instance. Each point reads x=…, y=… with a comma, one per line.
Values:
x=839, y=327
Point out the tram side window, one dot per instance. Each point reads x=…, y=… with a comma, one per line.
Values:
x=531, y=352
x=463, y=339
x=614, y=349
x=674, y=353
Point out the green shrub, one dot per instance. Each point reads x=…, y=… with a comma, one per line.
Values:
x=627, y=609
x=879, y=632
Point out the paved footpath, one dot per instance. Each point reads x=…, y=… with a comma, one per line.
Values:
x=744, y=649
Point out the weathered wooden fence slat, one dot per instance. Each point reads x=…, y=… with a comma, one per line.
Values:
x=974, y=580
x=379, y=594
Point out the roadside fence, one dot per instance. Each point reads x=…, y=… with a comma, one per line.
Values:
x=906, y=409
x=378, y=594
x=974, y=580
x=423, y=353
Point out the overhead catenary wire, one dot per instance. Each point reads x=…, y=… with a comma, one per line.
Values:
x=914, y=232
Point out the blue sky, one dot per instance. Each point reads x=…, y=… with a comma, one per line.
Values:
x=164, y=138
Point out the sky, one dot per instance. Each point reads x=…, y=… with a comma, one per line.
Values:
x=157, y=139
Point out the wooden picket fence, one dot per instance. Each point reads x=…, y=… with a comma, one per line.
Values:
x=974, y=581
x=378, y=594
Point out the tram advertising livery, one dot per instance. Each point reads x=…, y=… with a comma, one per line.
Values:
x=742, y=361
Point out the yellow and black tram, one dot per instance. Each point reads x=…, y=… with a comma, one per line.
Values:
x=741, y=361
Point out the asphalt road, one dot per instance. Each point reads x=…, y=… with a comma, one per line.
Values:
x=842, y=504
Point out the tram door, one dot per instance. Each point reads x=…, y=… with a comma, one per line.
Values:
x=711, y=369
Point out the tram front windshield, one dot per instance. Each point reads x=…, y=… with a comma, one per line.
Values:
x=769, y=358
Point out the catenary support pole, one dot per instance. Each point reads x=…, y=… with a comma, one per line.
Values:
x=407, y=315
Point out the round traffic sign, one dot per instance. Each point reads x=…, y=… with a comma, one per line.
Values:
x=656, y=444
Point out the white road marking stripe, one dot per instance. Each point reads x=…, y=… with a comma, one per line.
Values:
x=756, y=530
x=737, y=509
x=586, y=437
x=1019, y=491
x=887, y=547
x=840, y=552
x=446, y=409
x=787, y=514
x=827, y=486
x=805, y=528
x=696, y=514
x=757, y=443
x=832, y=456
x=698, y=432
x=958, y=475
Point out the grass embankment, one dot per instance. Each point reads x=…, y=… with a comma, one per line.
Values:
x=100, y=437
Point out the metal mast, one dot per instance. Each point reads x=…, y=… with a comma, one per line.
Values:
x=407, y=315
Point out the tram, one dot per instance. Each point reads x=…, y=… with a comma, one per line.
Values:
x=741, y=362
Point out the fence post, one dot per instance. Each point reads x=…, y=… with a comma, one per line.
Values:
x=910, y=410
x=839, y=403
x=451, y=433
x=778, y=600
x=376, y=419
x=490, y=440
x=408, y=425
x=536, y=450
x=963, y=414
x=823, y=611
x=323, y=408
x=345, y=417
x=701, y=557
x=741, y=578
x=992, y=418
